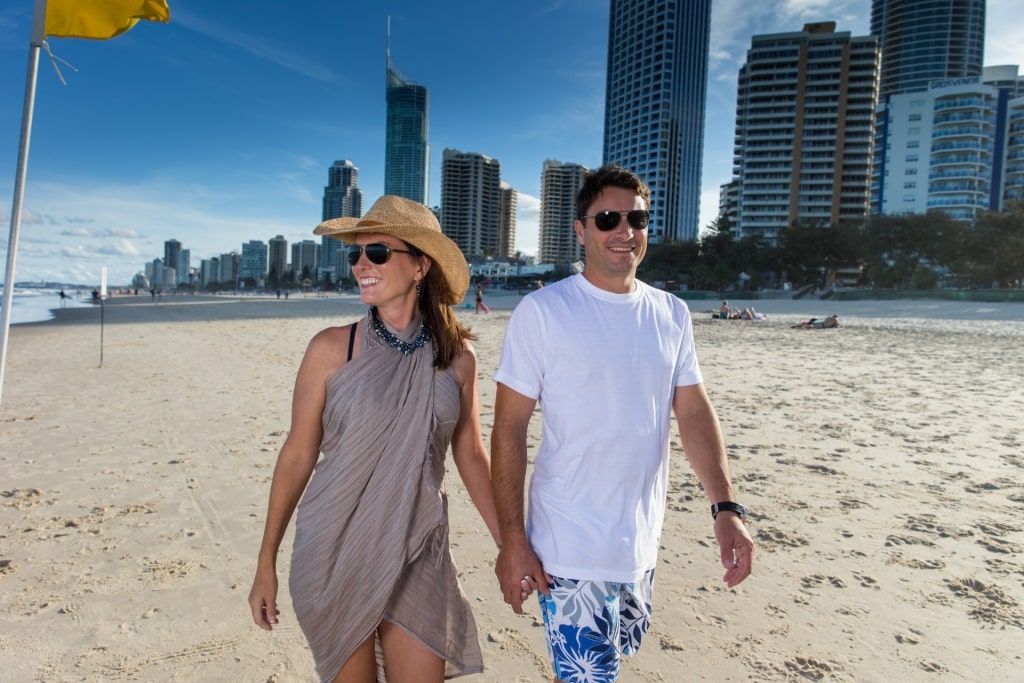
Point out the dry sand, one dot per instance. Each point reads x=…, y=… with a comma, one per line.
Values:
x=882, y=464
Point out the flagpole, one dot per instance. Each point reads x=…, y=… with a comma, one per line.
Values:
x=38, y=28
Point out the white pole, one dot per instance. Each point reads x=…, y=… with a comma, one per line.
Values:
x=38, y=29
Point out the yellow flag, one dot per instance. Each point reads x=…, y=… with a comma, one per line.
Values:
x=100, y=19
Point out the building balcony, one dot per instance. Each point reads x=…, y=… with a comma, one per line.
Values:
x=949, y=187
x=963, y=132
x=963, y=103
x=967, y=204
x=961, y=173
x=956, y=159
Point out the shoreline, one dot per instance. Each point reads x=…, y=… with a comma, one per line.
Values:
x=1005, y=318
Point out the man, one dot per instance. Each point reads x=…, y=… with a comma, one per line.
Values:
x=610, y=359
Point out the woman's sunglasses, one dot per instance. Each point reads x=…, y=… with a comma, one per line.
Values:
x=376, y=253
x=609, y=220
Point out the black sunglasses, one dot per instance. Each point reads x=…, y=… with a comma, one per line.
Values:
x=377, y=253
x=609, y=220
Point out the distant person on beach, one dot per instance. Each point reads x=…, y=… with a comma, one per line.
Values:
x=724, y=310
x=751, y=314
x=814, y=323
x=610, y=360
x=382, y=399
x=63, y=298
x=480, y=305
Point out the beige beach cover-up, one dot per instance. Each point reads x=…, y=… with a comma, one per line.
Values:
x=371, y=533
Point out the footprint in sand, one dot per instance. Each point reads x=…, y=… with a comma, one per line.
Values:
x=991, y=603
x=816, y=580
x=913, y=563
x=811, y=668
x=770, y=536
x=22, y=499
x=896, y=539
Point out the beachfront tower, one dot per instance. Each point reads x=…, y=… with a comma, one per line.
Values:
x=305, y=257
x=406, y=152
x=956, y=147
x=804, y=111
x=471, y=202
x=277, y=257
x=654, y=105
x=172, y=249
x=342, y=199
x=925, y=41
x=559, y=183
x=507, y=228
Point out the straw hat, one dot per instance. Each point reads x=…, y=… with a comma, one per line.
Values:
x=414, y=224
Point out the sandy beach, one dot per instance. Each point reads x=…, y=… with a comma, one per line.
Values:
x=882, y=463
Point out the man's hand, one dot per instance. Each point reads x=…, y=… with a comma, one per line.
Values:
x=736, y=546
x=519, y=573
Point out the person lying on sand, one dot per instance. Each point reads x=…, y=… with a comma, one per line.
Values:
x=814, y=323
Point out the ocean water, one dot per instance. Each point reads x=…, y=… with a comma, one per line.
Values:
x=35, y=305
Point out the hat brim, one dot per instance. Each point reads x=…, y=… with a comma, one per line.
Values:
x=445, y=254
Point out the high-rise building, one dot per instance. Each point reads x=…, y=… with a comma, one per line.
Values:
x=229, y=267
x=925, y=40
x=654, y=105
x=507, y=221
x=406, y=152
x=254, y=260
x=172, y=249
x=155, y=271
x=305, y=257
x=277, y=256
x=1014, y=186
x=184, y=268
x=804, y=123
x=471, y=202
x=209, y=270
x=1005, y=77
x=342, y=199
x=559, y=184
x=956, y=147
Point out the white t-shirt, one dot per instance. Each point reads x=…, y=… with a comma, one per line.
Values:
x=603, y=368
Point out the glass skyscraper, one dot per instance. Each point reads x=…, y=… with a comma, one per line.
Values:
x=406, y=152
x=342, y=199
x=654, y=105
x=925, y=40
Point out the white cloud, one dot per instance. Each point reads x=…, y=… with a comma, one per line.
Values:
x=76, y=232
x=527, y=224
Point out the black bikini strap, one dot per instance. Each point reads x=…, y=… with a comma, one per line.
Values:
x=352, y=340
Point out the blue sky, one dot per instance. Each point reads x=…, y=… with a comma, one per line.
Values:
x=219, y=127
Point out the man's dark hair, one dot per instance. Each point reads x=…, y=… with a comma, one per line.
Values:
x=609, y=175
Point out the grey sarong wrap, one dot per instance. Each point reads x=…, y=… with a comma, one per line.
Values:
x=371, y=533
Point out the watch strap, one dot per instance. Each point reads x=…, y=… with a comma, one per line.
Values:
x=728, y=506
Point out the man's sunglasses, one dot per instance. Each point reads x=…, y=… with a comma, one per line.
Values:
x=609, y=220
x=376, y=253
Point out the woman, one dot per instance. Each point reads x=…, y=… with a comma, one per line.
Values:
x=480, y=300
x=382, y=399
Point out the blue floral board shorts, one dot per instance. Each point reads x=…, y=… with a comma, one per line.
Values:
x=590, y=625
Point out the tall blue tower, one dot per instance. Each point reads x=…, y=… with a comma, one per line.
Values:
x=654, y=105
x=924, y=41
x=406, y=152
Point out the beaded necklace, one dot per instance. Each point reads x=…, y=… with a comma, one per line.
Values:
x=392, y=340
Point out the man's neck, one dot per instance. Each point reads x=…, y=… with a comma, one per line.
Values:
x=624, y=285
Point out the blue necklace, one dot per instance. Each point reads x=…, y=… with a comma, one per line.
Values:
x=392, y=340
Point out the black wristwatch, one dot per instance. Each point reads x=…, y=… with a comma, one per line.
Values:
x=728, y=506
